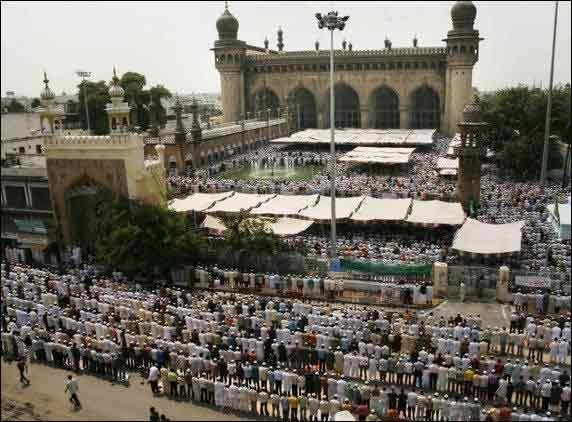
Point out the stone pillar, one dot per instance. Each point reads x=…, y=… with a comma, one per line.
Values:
x=231, y=93
x=321, y=120
x=403, y=117
x=440, y=279
x=502, y=284
x=363, y=118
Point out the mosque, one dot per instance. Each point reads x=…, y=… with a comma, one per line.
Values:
x=394, y=87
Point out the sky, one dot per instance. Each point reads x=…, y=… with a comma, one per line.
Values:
x=170, y=42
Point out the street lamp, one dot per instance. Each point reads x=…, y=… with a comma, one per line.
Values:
x=84, y=75
x=331, y=21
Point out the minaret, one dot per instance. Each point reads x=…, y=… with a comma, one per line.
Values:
x=266, y=44
x=229, y=58
x=196, y=131
x=462, y=54
x=180, y=133
x=470, y=153
x=118, y=111
x=48, y=110
x=344, y=44
x=280, y=39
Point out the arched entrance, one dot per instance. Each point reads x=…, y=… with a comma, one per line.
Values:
x=86, y=203
x=304, y=113
x=384, y=109
x=347, y=112
x=425, y=111
x=172, y=166
x=262, y=100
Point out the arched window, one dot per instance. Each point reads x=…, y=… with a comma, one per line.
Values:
x=263, y=99
x=347, y=108
x=304, y=112
x=383, y=109
x=425, y=112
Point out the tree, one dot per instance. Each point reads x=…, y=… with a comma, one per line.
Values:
x=147, y=240
x=517, y=118
x=157, y=93
x=36, y=103
x=97, y=100
x=15, y=106
x=133, y=83
x=522, y=156
x=252, y=235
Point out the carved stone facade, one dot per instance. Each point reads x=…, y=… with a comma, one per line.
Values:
x=115, y=162
x=215, y=145
x=414, y=87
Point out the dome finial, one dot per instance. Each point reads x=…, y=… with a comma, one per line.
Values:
x=46, y=80
x=227, y=25
x=114, y=72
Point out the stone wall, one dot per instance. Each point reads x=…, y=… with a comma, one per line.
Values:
x=63, y=174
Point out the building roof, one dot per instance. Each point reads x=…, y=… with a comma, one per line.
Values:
x=215, y=132
x=393, y=52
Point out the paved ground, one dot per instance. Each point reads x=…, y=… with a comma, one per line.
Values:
x=492, y=313
x=45, y=399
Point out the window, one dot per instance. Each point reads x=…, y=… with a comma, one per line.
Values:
x=41, y=199
x=38, y=149
x=22, y=150
x=15, y=196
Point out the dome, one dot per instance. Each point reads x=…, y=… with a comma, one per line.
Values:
x=463, y=14
x=47, y=93
x=472, y=113
x=227, y=26
x=115, y=91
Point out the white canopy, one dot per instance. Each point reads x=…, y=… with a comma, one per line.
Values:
x=197, y=201
x=447, y=163
x=282, y=226
x=382, y=209
x=213, y=223
x=362, y=137
x=345, y=207
x=240, y=201
x=378, y=155
x=437, y=212
x=482, y=238
x=285, y=205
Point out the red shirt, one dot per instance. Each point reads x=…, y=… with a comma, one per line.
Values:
x=362, y=410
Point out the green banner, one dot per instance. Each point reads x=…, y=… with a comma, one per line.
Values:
x=386, y=269
x=31, y=226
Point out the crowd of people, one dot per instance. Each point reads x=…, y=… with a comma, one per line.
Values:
x=287, y=358
x=502, y=201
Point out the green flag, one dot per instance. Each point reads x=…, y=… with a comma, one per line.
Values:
x=556, y=211
x=472, y=211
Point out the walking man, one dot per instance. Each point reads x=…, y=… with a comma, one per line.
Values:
x=22, y=368
x=72, y=387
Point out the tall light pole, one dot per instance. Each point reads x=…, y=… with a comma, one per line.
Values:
x=84, y=75
x=544, y=169
x=331, y=21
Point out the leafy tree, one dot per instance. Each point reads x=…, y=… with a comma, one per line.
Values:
x=148, y=240
x=522, y=156
x=247, y=234
x=133, y=83
x=97, y=100
x=36, y=103
x=15, y=106
x=156, y=93
x=517, y=118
